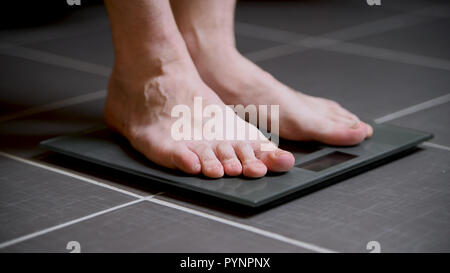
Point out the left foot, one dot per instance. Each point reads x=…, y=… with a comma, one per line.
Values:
x=239, y=81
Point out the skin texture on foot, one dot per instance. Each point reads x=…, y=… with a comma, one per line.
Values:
x=210, y=39
x=237, y=80
x=152, y=73
x=142, y=113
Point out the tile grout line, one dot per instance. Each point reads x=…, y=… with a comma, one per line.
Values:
x=398, y=21
x=389, y=55
x=436, y=146
x=308, y=40
x=289, y=44
x=104, y=71
x=238, y=225
x=67, y=173
x=97, y=24
x=342, y=46
x=54, y=59
x=101, y=94
x=433, y=11
x=66, y=224
x=55, y=105
x=151, y=199
x=414, y=109
x=417, y=108
x=406, y=111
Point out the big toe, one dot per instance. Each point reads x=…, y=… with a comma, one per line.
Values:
x=278, y=160
x=345, y=134
x=186, y=160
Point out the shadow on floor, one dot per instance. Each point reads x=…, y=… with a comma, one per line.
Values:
x=144, y=186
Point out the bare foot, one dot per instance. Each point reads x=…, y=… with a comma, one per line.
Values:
x=139, y=104
x=239, y=81
x=152, y=73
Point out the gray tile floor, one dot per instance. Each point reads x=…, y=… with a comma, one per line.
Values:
x=388, y=63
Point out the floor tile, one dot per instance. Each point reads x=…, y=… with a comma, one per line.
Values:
x=369, y=87
x=309, y=17
x=247, y=44
x=148, y=227
x=74, y=21
x=81, y=47
x=131, y=183
x=22, y=136
x=433, y=40
x=94, y=47
x=32, y=199
x=435, y=120
x=403, y=204
x=414, y=5
x=25, y=84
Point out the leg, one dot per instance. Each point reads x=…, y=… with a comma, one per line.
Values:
x=152, y=73
x=207, y=28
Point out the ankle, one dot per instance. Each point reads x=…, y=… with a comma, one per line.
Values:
x=149, y=57
x=208, y=43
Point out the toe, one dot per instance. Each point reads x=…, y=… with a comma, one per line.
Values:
x=369, y=130
x=276, y=161
x=348, y=135
x=251, y=166
x=345, y=113
x=230, y=162
x=211, y=166
x=347, y=121
x=354, y=122
x=185, y=160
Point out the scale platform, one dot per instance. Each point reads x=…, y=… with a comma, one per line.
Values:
x=315, y=164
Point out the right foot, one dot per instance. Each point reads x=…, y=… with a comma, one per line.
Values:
x=139, y=104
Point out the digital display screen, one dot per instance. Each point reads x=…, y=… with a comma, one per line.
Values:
x=326, y=161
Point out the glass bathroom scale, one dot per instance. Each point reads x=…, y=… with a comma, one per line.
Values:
x=314, y=163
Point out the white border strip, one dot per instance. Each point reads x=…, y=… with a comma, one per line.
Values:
x=249, y=228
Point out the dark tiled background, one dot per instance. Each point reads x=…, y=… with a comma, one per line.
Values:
x=395, y=56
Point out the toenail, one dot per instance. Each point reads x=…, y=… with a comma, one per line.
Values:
x=369, y=130
x=232, y=163
x=279, y=153
x=354, y=124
